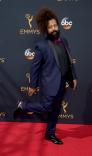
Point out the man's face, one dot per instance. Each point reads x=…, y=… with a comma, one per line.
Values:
x=53, y=29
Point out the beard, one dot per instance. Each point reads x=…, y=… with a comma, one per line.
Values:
x=53, y=36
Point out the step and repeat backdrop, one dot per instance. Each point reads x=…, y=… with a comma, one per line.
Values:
x=18, y=36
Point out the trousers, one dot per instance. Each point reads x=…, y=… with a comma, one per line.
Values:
x=50, y=105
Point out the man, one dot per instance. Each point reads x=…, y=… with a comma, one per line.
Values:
x=53, y=58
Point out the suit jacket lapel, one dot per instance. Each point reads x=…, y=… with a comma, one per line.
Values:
x=54, y=52
x=70, y=58
x=69, y=78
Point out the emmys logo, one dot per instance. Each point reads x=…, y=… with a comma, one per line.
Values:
x=27, y=88
x=31, y=31
x=29, y=19
x=74, y=60
x=91, y=90
x=28, y=76
x=65, y=24
x=64, y=106
x=2, y=60
x=67, y=116
x=29, y=55
x=2, y=114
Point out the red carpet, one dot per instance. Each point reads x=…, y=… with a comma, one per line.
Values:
x=27, y=139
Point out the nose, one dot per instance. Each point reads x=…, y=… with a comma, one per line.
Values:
x=53, y=28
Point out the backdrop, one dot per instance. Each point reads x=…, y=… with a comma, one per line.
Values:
x=18, y=36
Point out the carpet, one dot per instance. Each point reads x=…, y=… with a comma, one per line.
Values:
x=27, y=139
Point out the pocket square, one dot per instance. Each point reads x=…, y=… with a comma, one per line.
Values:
x=68, y=47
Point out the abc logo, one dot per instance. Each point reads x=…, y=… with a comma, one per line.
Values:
x=29, y=55
x=66, y=85
x=65, y=24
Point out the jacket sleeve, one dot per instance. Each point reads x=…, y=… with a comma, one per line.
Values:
x=72, y=67
x=36, y=65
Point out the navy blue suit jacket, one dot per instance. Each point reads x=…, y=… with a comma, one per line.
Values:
x=50, y=73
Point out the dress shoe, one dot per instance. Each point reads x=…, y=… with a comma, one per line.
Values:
x=53, y=139
x=18, y=110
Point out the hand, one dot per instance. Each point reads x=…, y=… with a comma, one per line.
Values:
x=31, y=91
x=75, y=84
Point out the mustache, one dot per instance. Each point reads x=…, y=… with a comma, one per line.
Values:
x=54, y=31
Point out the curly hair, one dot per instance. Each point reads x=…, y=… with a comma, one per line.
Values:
x=41, y=18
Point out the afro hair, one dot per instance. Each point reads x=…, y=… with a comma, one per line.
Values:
x=41, y=18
